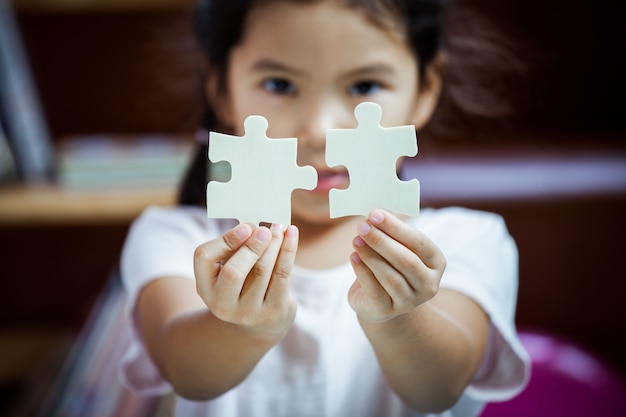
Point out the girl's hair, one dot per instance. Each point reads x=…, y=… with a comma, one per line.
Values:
x=472, y=51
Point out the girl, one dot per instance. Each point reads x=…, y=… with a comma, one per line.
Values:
x=384, y=316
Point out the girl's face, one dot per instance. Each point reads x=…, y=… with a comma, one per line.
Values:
x=305, y=67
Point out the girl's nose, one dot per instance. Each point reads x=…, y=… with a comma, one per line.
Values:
x=321, y=116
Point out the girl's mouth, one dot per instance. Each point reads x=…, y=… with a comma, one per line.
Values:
x=327, y=179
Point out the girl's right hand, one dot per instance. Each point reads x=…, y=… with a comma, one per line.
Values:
x=243, y=278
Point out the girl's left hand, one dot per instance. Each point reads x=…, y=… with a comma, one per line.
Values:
x=397, y=268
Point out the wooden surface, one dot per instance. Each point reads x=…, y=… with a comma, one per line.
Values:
x=57, y=206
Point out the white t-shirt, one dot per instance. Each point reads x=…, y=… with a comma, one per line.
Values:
x=325, y=365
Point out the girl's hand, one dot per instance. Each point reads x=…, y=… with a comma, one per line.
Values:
x=397, y=268
x=243, y=278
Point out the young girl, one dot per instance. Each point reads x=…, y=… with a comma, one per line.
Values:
x=384, y=316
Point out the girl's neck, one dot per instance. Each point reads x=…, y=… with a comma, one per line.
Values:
x=326, y=245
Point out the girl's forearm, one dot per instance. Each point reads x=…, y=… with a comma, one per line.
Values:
x=203, y=357
x=428, y=356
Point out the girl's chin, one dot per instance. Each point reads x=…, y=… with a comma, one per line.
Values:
x=310, y=207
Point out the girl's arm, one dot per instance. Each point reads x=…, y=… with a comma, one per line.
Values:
x=206, y=337
x=429, y=343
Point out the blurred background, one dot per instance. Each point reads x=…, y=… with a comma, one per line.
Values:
x=101, y=102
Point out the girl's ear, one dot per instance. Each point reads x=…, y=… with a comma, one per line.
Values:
x=429, y=91
x=218, y=100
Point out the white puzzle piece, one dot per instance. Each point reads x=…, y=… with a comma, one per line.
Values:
x=370, y=153
x=264, y=173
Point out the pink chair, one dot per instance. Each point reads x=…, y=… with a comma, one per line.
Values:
x=567, y=380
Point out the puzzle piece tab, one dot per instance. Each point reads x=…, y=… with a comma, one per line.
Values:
x=370, y=153
x=264, y=173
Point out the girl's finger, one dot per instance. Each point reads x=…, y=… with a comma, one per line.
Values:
x=400, y=257
x=255, y=285
x=210, y=256
x=409, y=237
x=367, y=290
x=422, y=279
x=390, y=279
x=232, y=275
x=279, y=283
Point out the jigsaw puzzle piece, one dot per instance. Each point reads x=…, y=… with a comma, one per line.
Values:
x=370, y=153
x=264, y=173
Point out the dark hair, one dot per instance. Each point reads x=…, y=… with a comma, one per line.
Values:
x=219, y=27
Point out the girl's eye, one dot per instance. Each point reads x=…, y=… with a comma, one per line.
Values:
x=279, y=86
x=364, y=88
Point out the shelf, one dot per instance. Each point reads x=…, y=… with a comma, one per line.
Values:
x=54, y=205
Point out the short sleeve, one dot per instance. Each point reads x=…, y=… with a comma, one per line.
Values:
x=161, y=242
x=482, y=262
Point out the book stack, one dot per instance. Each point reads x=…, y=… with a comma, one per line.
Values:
x=116, y=162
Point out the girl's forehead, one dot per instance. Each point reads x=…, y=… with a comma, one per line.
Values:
x=385, y=14
x=318, y=17
x=325, y=35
